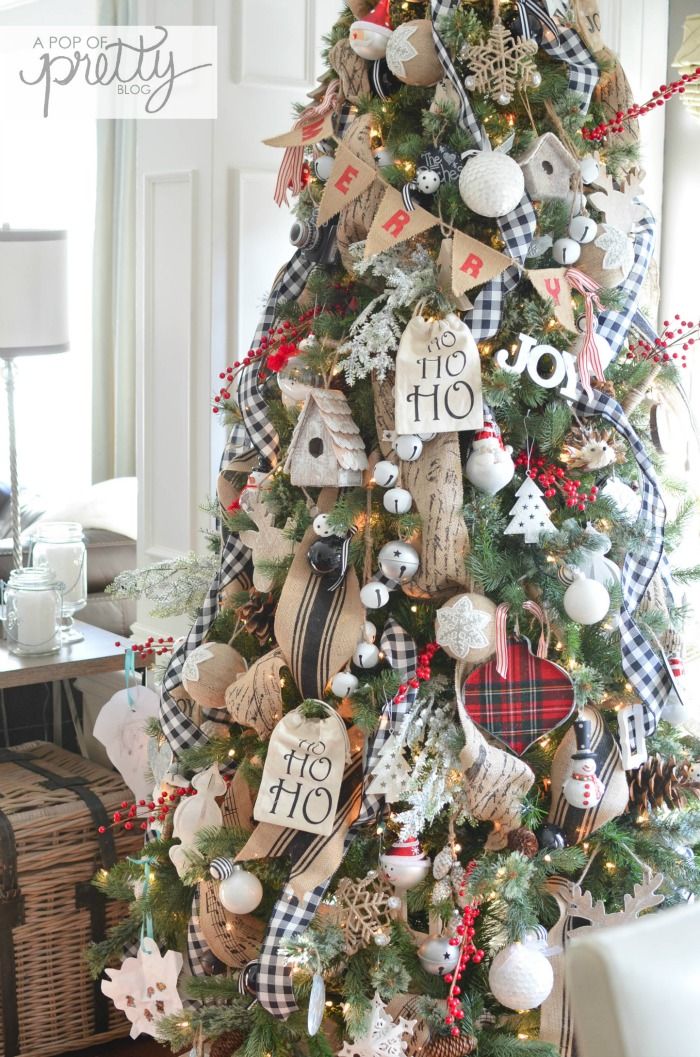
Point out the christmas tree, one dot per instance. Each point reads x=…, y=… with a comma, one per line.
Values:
x=471, y=248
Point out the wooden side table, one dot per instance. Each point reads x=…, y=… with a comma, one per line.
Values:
x=96, y=653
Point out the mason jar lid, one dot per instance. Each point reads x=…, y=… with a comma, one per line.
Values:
x=58, y=532
x=33, y=579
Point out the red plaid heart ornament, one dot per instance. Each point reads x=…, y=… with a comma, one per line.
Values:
x=535, y=697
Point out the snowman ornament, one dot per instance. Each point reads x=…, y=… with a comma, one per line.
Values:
x=583, y=788
x=489, y=466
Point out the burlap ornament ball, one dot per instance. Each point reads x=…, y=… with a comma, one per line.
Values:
x=491, y=184
x=209, y=670
x=465, y=627
x=609, y=258
x=411, y=55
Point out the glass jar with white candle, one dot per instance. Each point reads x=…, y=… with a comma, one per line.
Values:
x=33, y=612
x=60, y=547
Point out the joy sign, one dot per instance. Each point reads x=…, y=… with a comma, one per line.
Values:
x=303, y=773
x=560, y=367
x=438, y=378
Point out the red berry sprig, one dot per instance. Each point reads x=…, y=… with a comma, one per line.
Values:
x=152, y=647
x=286, y=336
x=658, y=98
x=553, y=479
x=468, y=952
x=127, y=815
x=680, y=332
x=422, y=672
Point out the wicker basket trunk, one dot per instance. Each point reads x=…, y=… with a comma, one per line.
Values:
x=51, y=804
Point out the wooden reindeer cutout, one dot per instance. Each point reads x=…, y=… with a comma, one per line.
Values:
x=267, y=543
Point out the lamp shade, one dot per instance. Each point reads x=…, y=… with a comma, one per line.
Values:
x=33, y=292
x=688, y=60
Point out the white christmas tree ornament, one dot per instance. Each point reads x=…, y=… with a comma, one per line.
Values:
x=530, y=516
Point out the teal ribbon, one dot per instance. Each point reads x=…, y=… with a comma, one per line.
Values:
x=129, y=671
x=147, y=924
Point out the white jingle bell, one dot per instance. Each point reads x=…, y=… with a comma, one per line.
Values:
x=366, y=655
x=566, y=251
x=383, y=157
x=369, y=631
x=604, y=347
x=583, y=229
x=399, y=561
x=240, y=893
x=398, y=501
x=438, y=956
x=409, y=447
x=520, y=976
x=586, y=601
x=385, y=474
x=491, y=184
x=425, y=437
x=323, y=166
x=344, y=684
x=427, y=181
x=322, y=526
x=589, y=168
x=374, y=594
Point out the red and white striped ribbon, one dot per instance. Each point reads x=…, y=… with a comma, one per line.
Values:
x=539, y=614
x=502, y=640
x=589, y=358
x=290, y=176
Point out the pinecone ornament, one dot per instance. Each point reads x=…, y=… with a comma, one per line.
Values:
x=227, y=1044
x=659, y=782
x=258, y=615
x=446, y=1046
x=524, y=841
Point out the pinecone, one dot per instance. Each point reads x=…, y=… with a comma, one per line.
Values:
x=658, y=783
x=258, y=615
x=524, y=841
x=226, y=1044
x=446, y=1046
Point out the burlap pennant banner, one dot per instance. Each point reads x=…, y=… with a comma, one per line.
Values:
x=255, y=700
x=393, y=224
x=349, y=177
x=474, y=263
x=552, y=284
x=308, y=133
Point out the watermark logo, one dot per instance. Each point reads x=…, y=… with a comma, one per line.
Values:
x=108, y=71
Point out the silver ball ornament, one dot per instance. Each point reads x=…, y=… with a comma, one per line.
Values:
x=536, y=78
x=399, y=561
x=323, y=166
x=385, y=474
x=470, y=82
x=374, y=594
x=566, y=251
x=409, y=447
x=240, y=893
x=504, y=98
x=322, y=527
x=438, y=956
x=583, y=229
x=381, y=939
x=397, y=501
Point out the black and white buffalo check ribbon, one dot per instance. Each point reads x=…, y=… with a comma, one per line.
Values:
x=525, y=6
x=291, y=916
x=583, y=69
x=399, y=649
x=615, y=323
x=644, y=669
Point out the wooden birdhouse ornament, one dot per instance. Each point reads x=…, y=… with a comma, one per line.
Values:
x=326, y=447
x=548, y=168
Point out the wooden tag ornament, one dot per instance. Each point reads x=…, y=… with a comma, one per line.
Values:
x=209, y=670
x=438, y=377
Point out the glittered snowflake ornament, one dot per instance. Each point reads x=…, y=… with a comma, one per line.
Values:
x=384, y=1035
x=364, y=908
x=145, y=988
x=501, y=65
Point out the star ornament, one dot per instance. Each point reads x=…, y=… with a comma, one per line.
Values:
x=462, y=628
x=145, y=988
x=384, y=1036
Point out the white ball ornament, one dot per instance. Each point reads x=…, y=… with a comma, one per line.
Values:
x=586, y=601
x=520, y=976
x=583, y=229
x=399, y=561
x=605, y=351
x=409, y=447
x=322, y=527
x=398, y=501
x=491, y=184
x=427, y=181
x=323, y=166
x=438, y=956
x=374, y=594
x=366, y=655
x=590, y=169
x=344, y=684
x=240, y=893
x=566, y=251
x=385, y=474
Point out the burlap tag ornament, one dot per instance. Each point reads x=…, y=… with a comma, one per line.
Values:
x=437, y=386
x=355, y=220
x=234, y=938
x=552, y=285
x=577, y=823
x=317, y=629
x=394, y=224
x=474, y=263
x=352, y=70
x=312, y=131
x=349, y=178
x=303, y=772
x=255, y=700
x=435, y=482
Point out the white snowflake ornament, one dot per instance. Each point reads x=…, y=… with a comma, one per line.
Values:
x=145, y=988
x=465, y=627
x=190, y=669
x=401, y=50
x=384, y=1036
x=619, y=251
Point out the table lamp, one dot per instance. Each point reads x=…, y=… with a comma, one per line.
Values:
x=33, y=322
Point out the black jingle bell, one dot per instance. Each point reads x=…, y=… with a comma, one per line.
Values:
x=551, y=836
x=444, y=161
x=513, y=23
x=326, y=555
x=248, y=979
x=211, y=965
x=383, y=84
